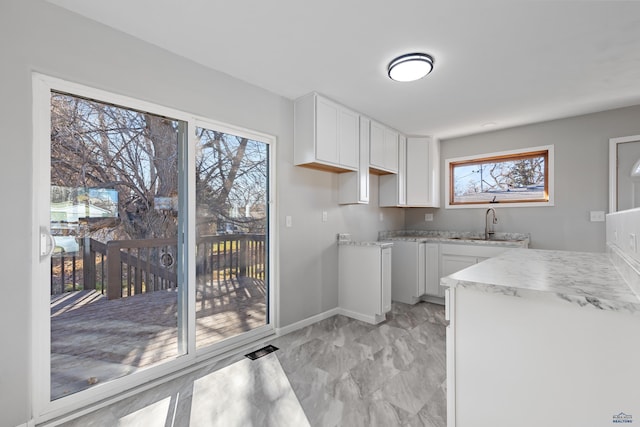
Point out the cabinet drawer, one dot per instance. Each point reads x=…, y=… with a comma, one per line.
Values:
x=473, y=250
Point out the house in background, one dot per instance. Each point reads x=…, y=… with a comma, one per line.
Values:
x=38, y=36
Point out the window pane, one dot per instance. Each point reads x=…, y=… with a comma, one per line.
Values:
x=114, y=217
x=518, y=178
x=231, y=203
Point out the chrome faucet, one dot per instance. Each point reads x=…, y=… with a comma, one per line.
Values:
x=488, y=227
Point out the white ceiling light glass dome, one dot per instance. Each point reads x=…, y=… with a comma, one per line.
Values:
x=410, y=67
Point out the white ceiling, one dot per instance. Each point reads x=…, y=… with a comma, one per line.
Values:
x=509, y=62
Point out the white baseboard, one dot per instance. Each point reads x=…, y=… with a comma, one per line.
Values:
x=432, y=299
x=308, y=321
x=374, y=320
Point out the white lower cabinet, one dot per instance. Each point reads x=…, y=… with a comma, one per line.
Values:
x=432, y=272
x=415, y=271
x=407, y=272
x=365, y=281
x=449, y=264
x=418, y=267
x=454, y=258
x=537, y=361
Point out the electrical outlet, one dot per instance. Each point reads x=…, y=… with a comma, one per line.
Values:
x=344, y=237
x=381, y=216
x=632, y=243
x=325, y=216
x=596, y=216
x=428, y=217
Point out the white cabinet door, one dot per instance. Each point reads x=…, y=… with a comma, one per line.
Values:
x=376, y=146
x=415, y=271
x=326, y=134
x=353, y=187
x=432, y=270
x=383, y=155
x=392, y=187
x=385, y=276
x=423, y=266
x=422, y=172
x=364, y=282
x=348, y=138
x=474, y=251
x=391, y=149
x=454, y=258
x=417, y=182
x=326, y=131
x=450, y=264
x=401, y=160
x=407, y=271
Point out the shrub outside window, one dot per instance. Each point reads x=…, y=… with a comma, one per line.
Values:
x=518, y=178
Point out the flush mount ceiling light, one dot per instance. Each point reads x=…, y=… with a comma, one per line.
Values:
x=410, y=67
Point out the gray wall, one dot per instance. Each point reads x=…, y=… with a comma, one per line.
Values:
x=581, y=180
x=36, y=36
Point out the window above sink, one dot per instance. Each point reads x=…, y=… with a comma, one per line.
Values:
x=516, y=178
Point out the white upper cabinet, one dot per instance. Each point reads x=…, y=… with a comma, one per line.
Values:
x=392, y=187
x=326, y=134
x=383, y=154
x=331, y=137
x=353, y=187
x=417, y=182
x=423, y=172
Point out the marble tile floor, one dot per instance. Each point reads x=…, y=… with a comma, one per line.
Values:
x=349, y=373
x=336, y=372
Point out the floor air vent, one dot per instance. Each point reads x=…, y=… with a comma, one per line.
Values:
x=261, y=352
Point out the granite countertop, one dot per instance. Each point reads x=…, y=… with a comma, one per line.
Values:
x=456, y=237
x=582, y=278
x=358, y=243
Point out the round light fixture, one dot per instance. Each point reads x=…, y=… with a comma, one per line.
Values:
x=410, y=67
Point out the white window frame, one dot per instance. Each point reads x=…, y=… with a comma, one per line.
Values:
x=550, y=177
x=43, y=409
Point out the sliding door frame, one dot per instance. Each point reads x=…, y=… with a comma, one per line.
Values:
x=43, y=409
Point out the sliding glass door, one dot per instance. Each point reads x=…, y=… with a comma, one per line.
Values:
x=115, y=213
x=153, y=236
x=231, y=230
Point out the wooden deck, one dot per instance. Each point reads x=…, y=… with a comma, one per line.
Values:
x=94, y=340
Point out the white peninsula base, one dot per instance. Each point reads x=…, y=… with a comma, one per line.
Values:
x=537, y=355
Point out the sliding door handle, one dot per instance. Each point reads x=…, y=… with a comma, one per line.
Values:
x=47, y=242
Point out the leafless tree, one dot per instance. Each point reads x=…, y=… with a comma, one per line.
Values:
x=98, y=145
x=231, y=175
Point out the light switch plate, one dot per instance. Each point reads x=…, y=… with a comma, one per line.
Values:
x=288, y=221
x=325, y=216
x=596, y=216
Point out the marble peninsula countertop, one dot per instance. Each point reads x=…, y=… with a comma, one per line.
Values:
x=364, y=243
x=582, y=278
x=456, y=237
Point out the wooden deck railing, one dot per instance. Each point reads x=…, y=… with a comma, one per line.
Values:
x=122, y=268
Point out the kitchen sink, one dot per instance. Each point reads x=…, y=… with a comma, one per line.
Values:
x=480, y=239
